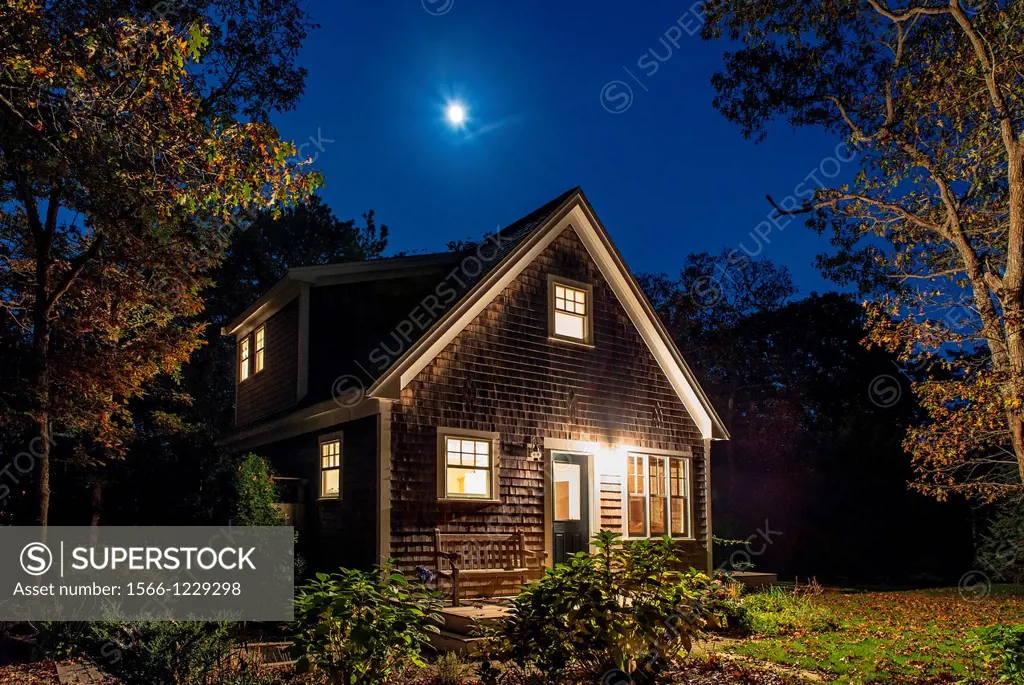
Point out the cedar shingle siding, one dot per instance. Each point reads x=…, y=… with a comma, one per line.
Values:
x=274, y=388
x=503, y=374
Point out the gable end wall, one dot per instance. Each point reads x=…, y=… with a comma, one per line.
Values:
x=503, y=374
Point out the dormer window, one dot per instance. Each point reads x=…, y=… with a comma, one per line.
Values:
x=243, y=359
x=570, y=306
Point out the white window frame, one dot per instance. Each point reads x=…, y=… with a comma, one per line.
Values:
x=244, y=360
x=259, y=345
x=668, y=456
x=327, y=440
x=587, y=315
x=443, y=435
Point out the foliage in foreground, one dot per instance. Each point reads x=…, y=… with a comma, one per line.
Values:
x=1003, y=648
x=624, y=609
x=362, y=626
x=142, y=652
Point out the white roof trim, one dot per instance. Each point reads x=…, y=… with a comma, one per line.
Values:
x=576, y=214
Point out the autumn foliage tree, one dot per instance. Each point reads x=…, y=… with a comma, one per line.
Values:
x=120, y=182
x=932, y=228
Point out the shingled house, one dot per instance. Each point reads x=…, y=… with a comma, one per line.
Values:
x=521, y=385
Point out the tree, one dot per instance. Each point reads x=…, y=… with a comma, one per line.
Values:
x=142, y=175
x=932, y=228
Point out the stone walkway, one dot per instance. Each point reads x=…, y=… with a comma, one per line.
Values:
x=78, y=674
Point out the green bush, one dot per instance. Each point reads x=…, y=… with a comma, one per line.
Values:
x=1003, y=647
x=362, y=626
x=146, y=652
x=776, y=611
x=255, y=494
x=62, y=639
x=623, y=608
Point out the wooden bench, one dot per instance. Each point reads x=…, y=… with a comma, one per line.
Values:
x=459, y=556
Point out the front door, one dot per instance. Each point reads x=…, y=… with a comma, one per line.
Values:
x=571, y=501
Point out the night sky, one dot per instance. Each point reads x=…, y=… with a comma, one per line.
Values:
x=668, y=175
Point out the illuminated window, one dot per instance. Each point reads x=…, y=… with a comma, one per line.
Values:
x=570, y=316
x=567, y=492
x=637, y=496
x=658, y=496
x=243, y=359
x=261, y=335
x=330, y=468
x=467, y=466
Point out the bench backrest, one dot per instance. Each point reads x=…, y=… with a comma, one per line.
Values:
x=492, y=551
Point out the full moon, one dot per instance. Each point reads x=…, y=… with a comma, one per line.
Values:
x=455, y=113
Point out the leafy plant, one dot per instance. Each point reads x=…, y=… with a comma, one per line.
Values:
x=146, y=652
x=622, y=608
x=777, y=611
x=449, y=669
x=1003, y=646
x=362, y=626
x=255, y=494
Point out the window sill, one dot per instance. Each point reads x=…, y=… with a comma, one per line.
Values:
x=466, y=500
x=571, y=341
x=332, y=498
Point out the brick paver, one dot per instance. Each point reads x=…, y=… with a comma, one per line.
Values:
x=78, y=674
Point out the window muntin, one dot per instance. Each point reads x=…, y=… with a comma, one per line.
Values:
x=570, y=312
x=261, y=339
x=658, y=496
x=330, y=469
x=468, y=468
x=243, y=359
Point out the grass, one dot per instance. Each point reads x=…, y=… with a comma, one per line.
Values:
x=779, y=612
x=890, y=637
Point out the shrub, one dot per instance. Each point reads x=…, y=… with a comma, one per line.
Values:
x=62, y=639
x=1003, y=647
x=146, y=652
x=449, y=669
x=255, y=494
x=776, y=611
x=362, y=626
x=622, y=608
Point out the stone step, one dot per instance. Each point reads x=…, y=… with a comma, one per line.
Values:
x=447, y=641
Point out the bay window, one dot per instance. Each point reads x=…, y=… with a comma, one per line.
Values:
x=658, y=496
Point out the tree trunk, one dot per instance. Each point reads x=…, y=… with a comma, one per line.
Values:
x=41, y=374
x=97, y=503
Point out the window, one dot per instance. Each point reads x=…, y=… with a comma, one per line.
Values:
x=330, y=469
x=261, y=336
x=243, y=359
x=657, y=496
x=637, y=497
x=570, y=303
x=467, y=468
x=567, y=492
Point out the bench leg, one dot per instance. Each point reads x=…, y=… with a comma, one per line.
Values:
x=455, y=587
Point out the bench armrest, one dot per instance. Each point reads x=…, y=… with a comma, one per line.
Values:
x=535, y=553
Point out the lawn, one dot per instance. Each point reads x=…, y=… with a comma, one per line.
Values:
x=888, y=637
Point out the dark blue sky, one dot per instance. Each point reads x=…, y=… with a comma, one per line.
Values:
x=668, y=175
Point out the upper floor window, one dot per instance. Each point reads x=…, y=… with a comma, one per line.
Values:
x=570, y=306
x=243, y=359
x=658, y=496
x=467, y=466
x=261, y=338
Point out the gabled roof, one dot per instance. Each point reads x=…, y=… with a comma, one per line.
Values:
x=501, y=257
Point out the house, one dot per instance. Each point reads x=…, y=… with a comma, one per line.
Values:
x=523, y=384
